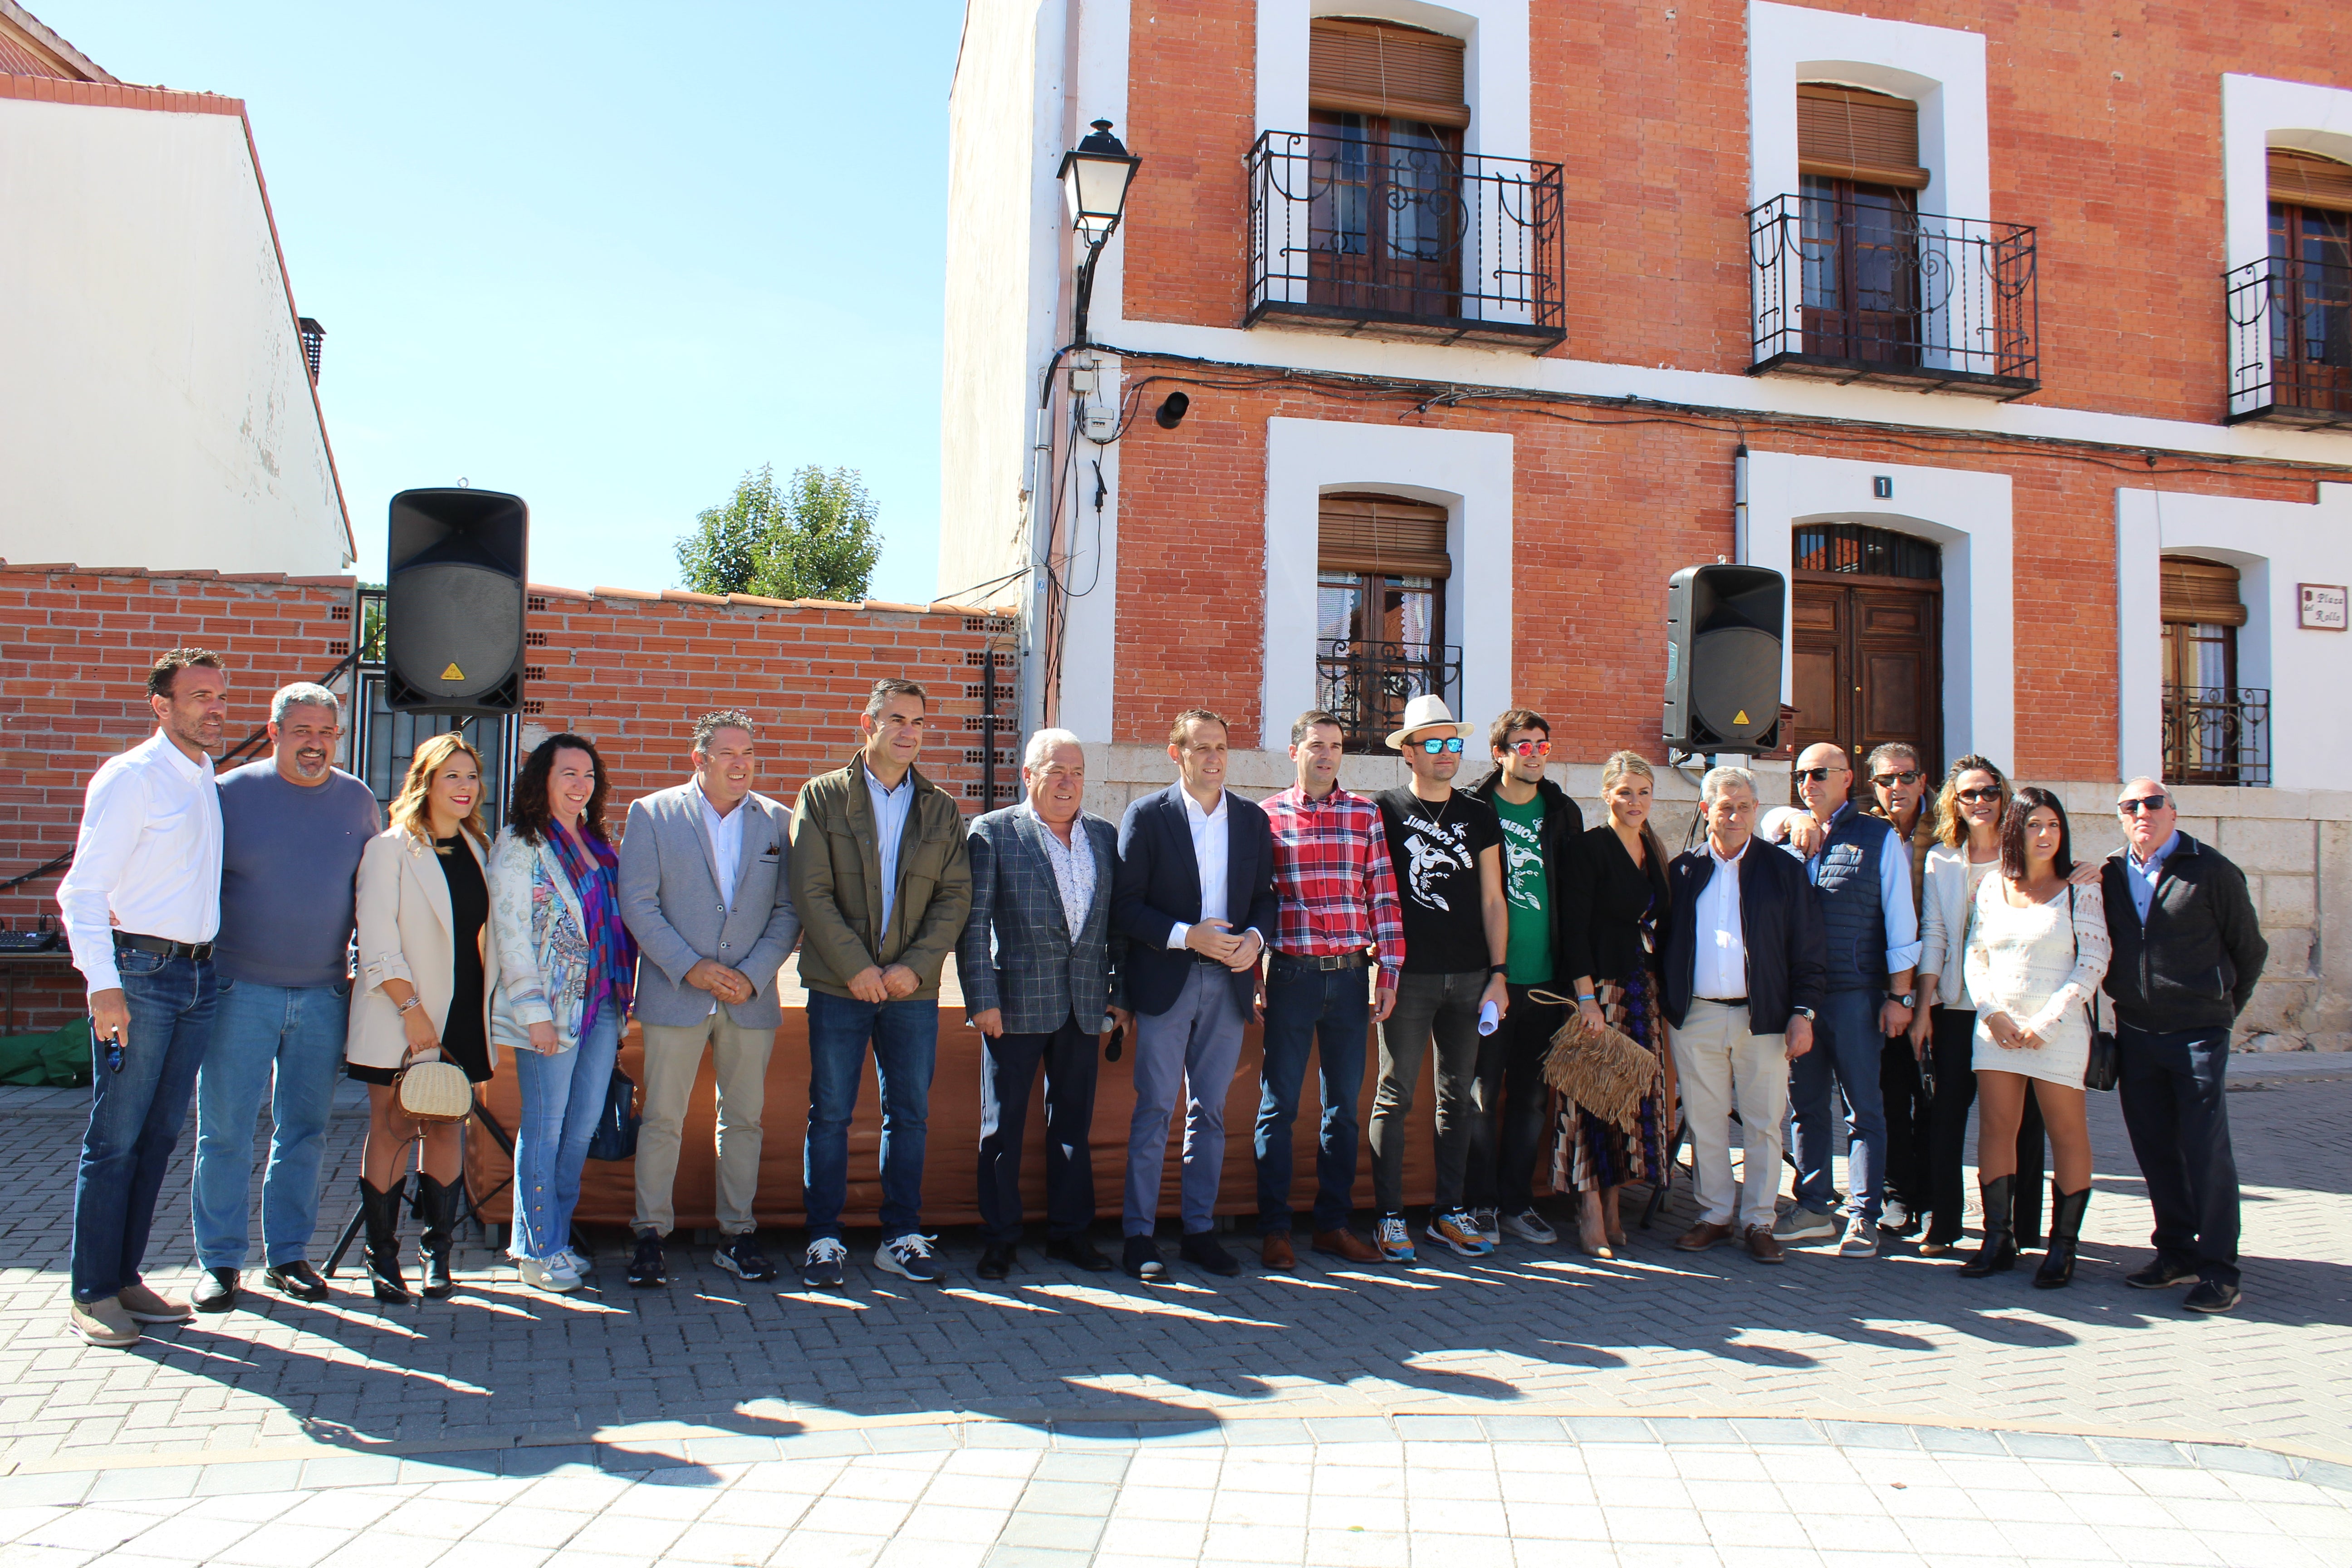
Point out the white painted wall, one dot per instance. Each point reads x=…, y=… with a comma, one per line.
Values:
x=2274, y=545
x=1468, y=472
x=154, y=407
x=1967, y=513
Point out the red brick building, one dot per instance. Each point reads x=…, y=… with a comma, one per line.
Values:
x=2019, y=338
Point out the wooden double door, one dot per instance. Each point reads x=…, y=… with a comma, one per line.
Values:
x=1867, y=666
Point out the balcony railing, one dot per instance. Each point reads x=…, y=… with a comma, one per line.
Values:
x=2290, y=342
x=1894, y=298
x=1392, y=240
x=1367, y=684
x=2217, y=735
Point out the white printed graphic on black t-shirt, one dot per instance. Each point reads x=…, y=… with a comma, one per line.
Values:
x=1435, y=853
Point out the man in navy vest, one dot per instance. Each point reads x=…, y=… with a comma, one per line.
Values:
x=1861, y=875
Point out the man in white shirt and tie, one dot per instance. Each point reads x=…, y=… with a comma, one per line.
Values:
x=141, y=906
x=706, y=889
x=1745, y=972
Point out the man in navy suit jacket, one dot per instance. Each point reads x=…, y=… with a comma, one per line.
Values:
x=1194, y=897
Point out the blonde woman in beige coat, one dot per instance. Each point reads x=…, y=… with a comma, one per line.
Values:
x=427, y=953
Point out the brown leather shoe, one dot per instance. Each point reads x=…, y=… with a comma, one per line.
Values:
x=1278, y=1252
x=1701, y=1236
x=1346, y=1246
x=1762, y=1247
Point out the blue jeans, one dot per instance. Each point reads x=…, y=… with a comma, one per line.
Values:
x=1846, y=1042
x=1331, y=1010
x=135, y=1116
x=905, y=1038
x=286, y=1041
x=562, y=1096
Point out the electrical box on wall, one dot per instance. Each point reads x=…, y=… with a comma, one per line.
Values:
x=1099, y=421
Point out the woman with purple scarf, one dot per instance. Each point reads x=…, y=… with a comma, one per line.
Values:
x=565, y=967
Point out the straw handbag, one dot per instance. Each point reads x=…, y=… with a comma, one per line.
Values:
x=434, y=1090
x=1602, y=1070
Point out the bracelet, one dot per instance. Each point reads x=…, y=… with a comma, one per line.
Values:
x=1590, y=996
x=412, y=1002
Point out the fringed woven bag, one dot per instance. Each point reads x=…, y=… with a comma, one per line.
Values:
x=1602, y=1070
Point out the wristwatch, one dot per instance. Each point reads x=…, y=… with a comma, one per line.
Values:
x=1806, y=1012
x=1906, y=1001
x=1494, y=969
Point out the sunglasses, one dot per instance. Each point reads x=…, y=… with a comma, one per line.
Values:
x=1530, y=748
x=1433, y=747
x=1979, y=796
x=2142, y=803
x=1907, y=776
x=1816, y=775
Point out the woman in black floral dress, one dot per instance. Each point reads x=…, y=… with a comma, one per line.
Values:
x=1613, y=950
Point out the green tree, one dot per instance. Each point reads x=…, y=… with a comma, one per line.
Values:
x=812, y=537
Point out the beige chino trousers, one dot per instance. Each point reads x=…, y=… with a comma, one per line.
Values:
x=673, y=1056
x=1716, y=1059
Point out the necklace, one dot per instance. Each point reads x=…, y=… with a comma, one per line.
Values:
x=1439, y=820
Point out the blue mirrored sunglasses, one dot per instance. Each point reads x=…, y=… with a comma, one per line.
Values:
x=1433, y=747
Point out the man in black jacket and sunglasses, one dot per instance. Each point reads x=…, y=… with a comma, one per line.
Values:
x=2188, y=951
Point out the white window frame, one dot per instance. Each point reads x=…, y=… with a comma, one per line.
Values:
x=2258, y=114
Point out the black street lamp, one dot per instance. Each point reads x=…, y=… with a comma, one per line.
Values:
x=1095, y=175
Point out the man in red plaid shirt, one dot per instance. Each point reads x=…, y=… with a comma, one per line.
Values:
x=1339, y=898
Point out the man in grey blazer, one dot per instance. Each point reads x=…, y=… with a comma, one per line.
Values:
x=1038, y=964
x=706, y=891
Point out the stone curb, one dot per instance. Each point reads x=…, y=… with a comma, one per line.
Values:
x=666, y=1455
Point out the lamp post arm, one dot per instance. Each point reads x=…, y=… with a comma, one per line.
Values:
x=1083, y=301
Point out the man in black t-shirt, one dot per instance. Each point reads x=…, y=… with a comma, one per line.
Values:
x=1447, y=851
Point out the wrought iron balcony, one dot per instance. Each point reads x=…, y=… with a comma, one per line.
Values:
x=1390, y=240
x=2217, y=735
x=1367, y=684
x=1849, y=293
x=2290, y=342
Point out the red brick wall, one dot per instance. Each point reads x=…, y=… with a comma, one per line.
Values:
x=628, y=670
x=2105, y=136
x=1607, y=509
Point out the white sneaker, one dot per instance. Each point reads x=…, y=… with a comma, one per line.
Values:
x=1860, y=1239
x=1530, y=1226
x=1490, y=1230
x=553, y=1275
x=581, y=1262
x=1895, y=1218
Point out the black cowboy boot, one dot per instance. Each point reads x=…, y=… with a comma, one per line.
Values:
x=381, y=1210
x=2065, y=1226
x=1999, y=1253
x=436, y=1204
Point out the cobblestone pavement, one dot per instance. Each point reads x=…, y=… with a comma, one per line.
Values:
x=1527, y=1332
x=1358, y=1491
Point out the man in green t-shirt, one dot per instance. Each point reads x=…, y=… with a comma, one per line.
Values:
x=1543, y=843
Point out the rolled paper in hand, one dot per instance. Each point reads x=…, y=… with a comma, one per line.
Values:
x=1489, y=1019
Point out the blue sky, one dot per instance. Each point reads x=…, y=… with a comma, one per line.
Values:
x=607, y=257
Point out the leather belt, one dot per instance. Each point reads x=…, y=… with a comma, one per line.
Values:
x=1724, y=1001
x=1328, y=960
x=200, y=952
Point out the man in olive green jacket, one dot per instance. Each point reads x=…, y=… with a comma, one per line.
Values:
x=882, y=883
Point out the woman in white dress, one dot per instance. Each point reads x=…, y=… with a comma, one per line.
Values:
x=2036, y=952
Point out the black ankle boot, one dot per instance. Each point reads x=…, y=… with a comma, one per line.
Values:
x=1999, y=1253
x=2065, y=1226
x=436, y=1205
x=381, y=1211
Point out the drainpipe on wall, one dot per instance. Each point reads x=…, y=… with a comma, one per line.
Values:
x=1740, y=503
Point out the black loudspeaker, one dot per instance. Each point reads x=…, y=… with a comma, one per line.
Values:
x=454, y=592
x=1723, y=658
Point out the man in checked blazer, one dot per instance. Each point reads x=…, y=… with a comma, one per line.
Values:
x=1038, y=961
x=706, y=889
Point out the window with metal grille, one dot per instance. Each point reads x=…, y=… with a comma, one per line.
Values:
x=1863, y=552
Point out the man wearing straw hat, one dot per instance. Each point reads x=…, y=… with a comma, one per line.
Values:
x=1446, y=848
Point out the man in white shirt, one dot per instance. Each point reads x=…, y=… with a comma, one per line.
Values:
x=1745, y=972
x=1194, y=896
x=141, y=906
x=706, y=889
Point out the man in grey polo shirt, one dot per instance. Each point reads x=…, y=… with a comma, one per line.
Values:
x=292, y=828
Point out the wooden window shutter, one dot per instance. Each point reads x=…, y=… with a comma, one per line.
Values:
x=1377, y=68
x=1383, y=534
x=2204, y=593
x=2307, y=180
x=1847, y=133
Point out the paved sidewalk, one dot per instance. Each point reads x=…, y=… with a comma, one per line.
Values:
x=1529, y=1331
x=1414, y=1491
